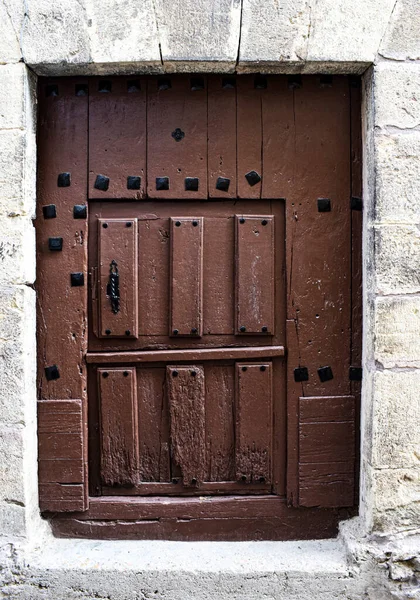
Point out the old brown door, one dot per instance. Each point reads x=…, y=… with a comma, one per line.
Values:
x=201, y=238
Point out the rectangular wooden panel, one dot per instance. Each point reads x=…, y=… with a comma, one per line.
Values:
x=221, y=137
x=249, y=138
x=186, y=276
x=118, y=310
x=255, y=274
x=117, y=137
x=254, y=422
x=61, y=455
x=326, y=451
x=177, y=148
x=119, y=426
x=186, y=394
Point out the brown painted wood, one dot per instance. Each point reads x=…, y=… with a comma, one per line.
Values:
x=117, y=135
x=249, y=136
x=169, y=110
x=253, y=424
x=176, y=488
x=118, y=246
x=221, y=118
x=119, y=426
x=61, y=455
x=187, y=355
x=187, y=409
x=186, y=277
x=255, y=275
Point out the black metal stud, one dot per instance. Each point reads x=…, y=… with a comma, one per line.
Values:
x=222, y=184
x=243, y=477
x=105, y=225
x=264, y=222
x=261, y=479
x=294, y=82
x=193, y=373
x=263, y=368
x=195, y=223
x=63, y=180
x=52, y=373
x=264, y=328
x=133, y=182
x=242, y=329
x=324, y=205
x=77, y=279
x=129, y=224
x=105, y=86
x=133, y=85
x=177, y=223
x=107, y=332
x=244, y=369
x=55, y=244
x=193, y=481
x=79, y=211
x=253, y=178
x=197, y=84
x=163, y=84
x=127, y=332
x=49, y=211
x=178, y=134
x=51, y=90
x=325, y=80
x=81, y=89
x=194, y=330
x=162, y=183
x=260, y=82
x=105, y=374
x=191, y=184
x=101, y=183
x=356, y=203
x=174, y=373
x=175, y=332
x=228, y=83
x=125, y=373
x=325, y=374
x=355, y=373
x=241, y=220
x=300, y=374
x=175, y=479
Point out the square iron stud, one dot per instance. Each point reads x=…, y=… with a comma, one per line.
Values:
x=228, y=83
x=133, y=85
x=324, y=205
x=163, y=84
x=325, y=374
x=355, y=373
x=52, y=373
x=133, y=182
x=222, y=184
x=294, y=82
x=356, y=203
x=253, y=178
x=162, y=183
x=191, y=184
x=79, y=211
x=101, y=183
x=81, y=89
x=105, y=86
x=325, y=80
x=63, y=180
x=55, y=244
x=197, y=84
x=301, y=374
x=49, y=211
x=51, y=90
x=260, y=82
x=77, y=279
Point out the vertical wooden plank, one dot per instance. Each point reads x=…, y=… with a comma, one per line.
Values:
x=295, y=377
x=62, y=184
x=117, y=137
x=221, y=136
x=118, y=287
x=186, y=394
x=249, y=138
x=186, y=276
x=254, y=421
x=153, y=410
x=255, y=274
x=220, y=429
x=177, y=143
x=119, y=426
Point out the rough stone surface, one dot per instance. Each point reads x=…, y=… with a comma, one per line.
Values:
x=397, y=96
x=402, y=38
x=397, y=338
x=397, y=259
x=11, y=18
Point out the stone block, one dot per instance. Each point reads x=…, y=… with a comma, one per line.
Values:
x=397, y=95
x=11, y=465
x=396, y=420
x=12, y=96
x=397, y=332
x=199, y=32
x=397, y=259
x=11, y=18
x=397, y=178
x=402, y=38
x=12, y=520
x=17, y=173
x=17, y=250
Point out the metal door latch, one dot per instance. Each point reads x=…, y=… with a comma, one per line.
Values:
x=113, y=290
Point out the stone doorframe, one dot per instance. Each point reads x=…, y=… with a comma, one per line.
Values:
x=379, y=40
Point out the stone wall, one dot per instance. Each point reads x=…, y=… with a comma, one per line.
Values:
x=377, y=554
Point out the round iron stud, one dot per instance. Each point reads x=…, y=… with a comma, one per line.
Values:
x=175, y=331
x=242, y=329
x=262, y=480
x=195, y=223
x=128, y=332
x=264, y=222
x=105, y=375
x=177, y=223
x=174, y=373
x=125, y=373
x=241, y=220
x=128, y=224
x=264, y=329
x=105, y=225
x=107, y=331
x=262, y=368
x=243, y=478
x=193, y=481
x=244, y=369
x=193, y=373
x=194, y=330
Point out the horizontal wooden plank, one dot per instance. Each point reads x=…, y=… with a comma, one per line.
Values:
x=326, y=409
x=60, y=445
x=185, y=355
x=59, y=416
x=326, y=484
x=326, y=442
x=61, y=471
x=208, y=488
x=55, y=497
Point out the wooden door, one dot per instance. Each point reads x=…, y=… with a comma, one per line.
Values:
x=199, y=305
